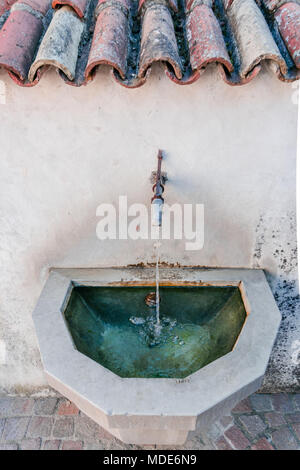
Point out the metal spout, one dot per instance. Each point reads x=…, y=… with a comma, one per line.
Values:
x=157, y=200
x=156, y=212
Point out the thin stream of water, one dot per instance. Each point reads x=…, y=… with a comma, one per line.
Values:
x=157, y=247
x=157, y=285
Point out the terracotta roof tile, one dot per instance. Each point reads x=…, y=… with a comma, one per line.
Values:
x=19, y=38
x=288, y=19
x=158, y=40
x=206, y=42
x=79, y=6
x=110, y=39
x=272, y=5
x=5, y=5
x=171, y=3
x=60, y=44
x=254, y=39
x=77, y=36
x=35, y=6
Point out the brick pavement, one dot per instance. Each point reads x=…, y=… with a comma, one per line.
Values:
x=261, y=422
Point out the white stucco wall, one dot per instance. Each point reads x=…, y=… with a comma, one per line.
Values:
x=66, y=150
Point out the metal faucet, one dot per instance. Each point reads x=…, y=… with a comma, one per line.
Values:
x=157, y=200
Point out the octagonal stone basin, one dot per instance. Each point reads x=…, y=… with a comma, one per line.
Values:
x=93, y=355
x=114, y=327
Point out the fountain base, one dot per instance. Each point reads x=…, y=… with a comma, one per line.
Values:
x=150, y=410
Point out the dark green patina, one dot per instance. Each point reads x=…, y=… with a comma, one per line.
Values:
x=199, y=325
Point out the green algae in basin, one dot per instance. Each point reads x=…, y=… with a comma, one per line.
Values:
x=114, y=327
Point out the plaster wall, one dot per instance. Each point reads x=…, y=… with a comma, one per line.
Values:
x=66, y=150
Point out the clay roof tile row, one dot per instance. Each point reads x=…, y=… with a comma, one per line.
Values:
x=77, y=36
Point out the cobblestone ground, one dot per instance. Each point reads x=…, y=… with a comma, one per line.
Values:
x=261, y=422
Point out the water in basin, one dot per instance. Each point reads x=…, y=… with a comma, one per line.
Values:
x=114, y=327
